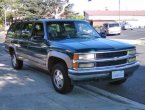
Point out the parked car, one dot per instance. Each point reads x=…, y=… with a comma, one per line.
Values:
x=111, y=28
x=127, y=26
x=70, y=50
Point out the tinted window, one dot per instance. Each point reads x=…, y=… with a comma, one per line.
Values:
x=14, y=30
x=105, y=25
x=114, y=25
x=11, y=32
x=26, y=30
x=38, y=31
x=17, y=29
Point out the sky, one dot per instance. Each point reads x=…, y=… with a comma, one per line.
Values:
x=81, y=5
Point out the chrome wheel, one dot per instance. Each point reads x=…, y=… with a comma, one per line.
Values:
x=14, y=60
x=16, y=63
x=58, y=79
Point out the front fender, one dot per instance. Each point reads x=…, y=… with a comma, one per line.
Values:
x=62, y=56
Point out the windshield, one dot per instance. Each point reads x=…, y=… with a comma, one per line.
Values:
x=114, y=25
x=70, y=29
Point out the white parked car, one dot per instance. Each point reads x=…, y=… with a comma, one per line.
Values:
x=111, y=28
x=127, y=26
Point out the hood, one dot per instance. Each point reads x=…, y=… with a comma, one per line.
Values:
x=91, y=45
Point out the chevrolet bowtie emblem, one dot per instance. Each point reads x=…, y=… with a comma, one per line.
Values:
x=115, y=58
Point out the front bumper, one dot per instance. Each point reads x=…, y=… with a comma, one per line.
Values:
x=100, y=73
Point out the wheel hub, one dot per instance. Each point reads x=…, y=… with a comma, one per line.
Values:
x=14, y=60
x=58, y=79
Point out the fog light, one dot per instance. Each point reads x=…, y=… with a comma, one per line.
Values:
x=86, y=65
x=131, y=59
x=75, y=65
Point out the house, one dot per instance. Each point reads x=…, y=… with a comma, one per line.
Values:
x=98, y=17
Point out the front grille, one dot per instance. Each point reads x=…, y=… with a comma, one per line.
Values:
x=111, y=54
x=111, y=63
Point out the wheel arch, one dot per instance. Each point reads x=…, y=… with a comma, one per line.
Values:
x=58, y=57
x=11, y=50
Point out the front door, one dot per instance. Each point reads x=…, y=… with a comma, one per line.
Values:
x=37, y=46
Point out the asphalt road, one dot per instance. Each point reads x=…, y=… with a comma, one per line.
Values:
x=134, y=88
x=130, y=34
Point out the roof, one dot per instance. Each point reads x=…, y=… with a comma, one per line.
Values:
x=111, y=23
x=115, y=13
x=48, y=20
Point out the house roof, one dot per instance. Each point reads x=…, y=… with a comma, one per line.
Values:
x=115, y=13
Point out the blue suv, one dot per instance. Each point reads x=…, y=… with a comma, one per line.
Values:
x=70, y=50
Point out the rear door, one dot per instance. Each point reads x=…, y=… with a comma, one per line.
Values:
x=26, y=32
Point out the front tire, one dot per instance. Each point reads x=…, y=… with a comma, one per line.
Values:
x=16, y=63
x=118, y=82
x=61, y=81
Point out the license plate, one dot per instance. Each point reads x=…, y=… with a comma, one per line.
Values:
x=117, y=74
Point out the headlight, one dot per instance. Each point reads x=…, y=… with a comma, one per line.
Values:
x=130, y=52
x=84, y=56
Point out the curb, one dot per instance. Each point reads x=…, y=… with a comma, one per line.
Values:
x=133, y=42
x=114, y=97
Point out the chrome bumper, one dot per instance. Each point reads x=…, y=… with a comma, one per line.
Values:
x=100, y=72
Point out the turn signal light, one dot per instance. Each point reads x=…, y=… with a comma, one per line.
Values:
x=75, y=57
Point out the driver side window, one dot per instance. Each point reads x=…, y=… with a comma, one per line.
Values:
x=38, y=32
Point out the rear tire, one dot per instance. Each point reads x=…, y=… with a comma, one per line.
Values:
x=16, y=63
x=118, y=82
x=61, y=81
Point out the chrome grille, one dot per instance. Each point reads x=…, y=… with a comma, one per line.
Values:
x=111, y=63
x=111, y=55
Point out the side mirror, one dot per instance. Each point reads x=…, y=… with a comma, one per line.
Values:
x=102, y=34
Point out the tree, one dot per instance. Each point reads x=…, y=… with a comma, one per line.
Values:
x=57, y=9
x=35, y=9
x=7, y=9
x=44, y=8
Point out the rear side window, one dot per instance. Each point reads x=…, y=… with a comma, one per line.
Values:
x=14, y=30
x=27, y=30
x=10, y=32
x=17, y=29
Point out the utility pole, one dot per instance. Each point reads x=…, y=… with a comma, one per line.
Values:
x=5, y=18
x=119, y=9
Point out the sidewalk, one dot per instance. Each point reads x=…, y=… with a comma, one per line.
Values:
x=2, y=36
x=133, y=42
